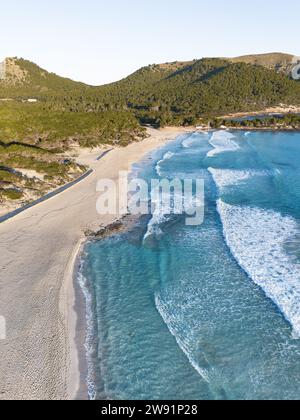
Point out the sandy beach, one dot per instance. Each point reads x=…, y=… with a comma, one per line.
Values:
x=39, y=358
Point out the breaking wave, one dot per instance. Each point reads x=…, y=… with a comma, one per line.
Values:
x=171, y=322
x=167, y=156
x=257, y=238
x=226, y=177
x=222, y=141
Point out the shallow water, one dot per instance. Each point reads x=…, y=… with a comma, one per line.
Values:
x=207, y=312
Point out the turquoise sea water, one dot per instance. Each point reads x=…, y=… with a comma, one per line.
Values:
x=207, y=312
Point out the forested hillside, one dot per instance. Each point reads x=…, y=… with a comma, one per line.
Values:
x=171, y=93
x=42, y=114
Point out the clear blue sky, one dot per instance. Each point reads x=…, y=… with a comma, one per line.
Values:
x=99, y=41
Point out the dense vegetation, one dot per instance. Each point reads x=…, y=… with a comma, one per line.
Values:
x=209, y=87
x=42, y=135
x=35, y=135
x=53, y=128
x=175, y=93
x=290, y=122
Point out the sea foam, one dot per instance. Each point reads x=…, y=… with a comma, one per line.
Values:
x=227, y=177
x=162, y=212
x=167, y=156
x=173, y=325
x=222, y=141
x=192, y=140
x=256, y=238
x=90, y=323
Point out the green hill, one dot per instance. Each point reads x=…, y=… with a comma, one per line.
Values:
x=208, y=87
x=23, y=78
x=42, y=114
x=38, y=106
x=170, y=93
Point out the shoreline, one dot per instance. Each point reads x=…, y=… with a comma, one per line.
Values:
x=77, y=303
x=73, y=304
x=44, y=354
x=85, y=328
x=40, y=357
x=79, y=389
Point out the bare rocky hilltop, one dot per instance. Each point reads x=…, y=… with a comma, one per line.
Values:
x=284, y=63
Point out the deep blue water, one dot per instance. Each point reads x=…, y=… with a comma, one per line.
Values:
x=213, y=311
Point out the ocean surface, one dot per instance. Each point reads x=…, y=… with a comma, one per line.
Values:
x=210, y=311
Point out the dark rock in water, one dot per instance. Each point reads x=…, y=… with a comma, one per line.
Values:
x=106, y=231
x=124, y=224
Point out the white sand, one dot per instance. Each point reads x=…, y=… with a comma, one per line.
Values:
x=39, y=359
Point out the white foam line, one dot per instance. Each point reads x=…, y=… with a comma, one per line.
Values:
x=226, y=177
x=256, y=238
x=169, y=322
x=222, y=141
x=193, y=139
x=166, y=156
x=162, y=213
x=90, y=322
